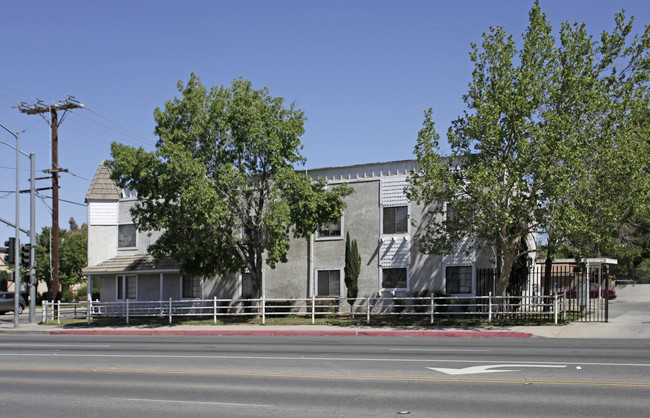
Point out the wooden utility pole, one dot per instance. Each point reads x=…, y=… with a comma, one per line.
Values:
x=41, y=108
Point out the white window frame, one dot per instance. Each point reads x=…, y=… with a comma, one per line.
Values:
x=393, y=289
x=444, y=278
x=135, y=247
x=121, y=280
x=408, y=220
x=200, y=279
x=341, y=281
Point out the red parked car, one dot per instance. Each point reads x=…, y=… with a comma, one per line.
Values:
x=593, y=292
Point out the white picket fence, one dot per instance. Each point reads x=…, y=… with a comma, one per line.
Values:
x=431, y=307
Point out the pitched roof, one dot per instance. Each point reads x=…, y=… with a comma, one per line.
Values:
x=133, y=264
x=102, y=187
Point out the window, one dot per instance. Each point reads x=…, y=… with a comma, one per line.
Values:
x=393, y=278
x=459, y=279
x=126, y=236
x=329, y=283
x=246, y=286
x=396, y=220
x=191, y=287
x=330, y=230
x=128, y=283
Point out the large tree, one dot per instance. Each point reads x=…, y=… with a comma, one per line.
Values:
x=73, y=257
x=548, y=144
x=222, y=185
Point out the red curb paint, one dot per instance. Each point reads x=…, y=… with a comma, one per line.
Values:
x=330, y=333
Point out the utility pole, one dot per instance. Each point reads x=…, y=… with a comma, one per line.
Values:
x=41, y=108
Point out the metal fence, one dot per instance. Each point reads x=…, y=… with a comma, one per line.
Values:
x=431, y=308
x=586, y=293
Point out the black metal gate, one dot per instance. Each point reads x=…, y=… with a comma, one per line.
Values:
x=583, y=293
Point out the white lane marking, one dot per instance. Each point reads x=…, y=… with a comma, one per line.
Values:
x=160, y=356
x=196, y=402
x=39, y=345
x=489, y=368
x=438, y=350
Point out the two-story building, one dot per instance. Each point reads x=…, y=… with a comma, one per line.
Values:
x=378, y=215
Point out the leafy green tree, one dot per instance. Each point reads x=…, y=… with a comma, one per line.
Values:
x=549, y=144
x=221, y=184
x=352, y=267
x=73, y=255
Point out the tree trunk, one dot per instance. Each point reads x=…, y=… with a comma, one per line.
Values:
x=509, y=257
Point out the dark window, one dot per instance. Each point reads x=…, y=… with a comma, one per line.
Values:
x=191, y=287
x=126, y=236
x=126, y=286
x=396, y=220
x=459, y=279
x=329, y=283
x=330, y=230
x=246, y=286
x=393, y=278
x=120, y=288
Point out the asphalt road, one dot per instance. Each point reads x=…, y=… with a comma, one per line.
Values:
x=165, y=376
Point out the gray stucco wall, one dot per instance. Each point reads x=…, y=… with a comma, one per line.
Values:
x=149, y=287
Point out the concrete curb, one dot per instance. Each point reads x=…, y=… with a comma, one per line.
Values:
x=320, y=333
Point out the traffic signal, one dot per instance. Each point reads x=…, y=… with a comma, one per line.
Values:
x=26, y=255
x=11, y=250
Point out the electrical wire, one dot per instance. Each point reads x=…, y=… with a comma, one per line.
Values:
x=147, y=141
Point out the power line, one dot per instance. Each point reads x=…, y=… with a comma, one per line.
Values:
x=89, y=135
x=66, y=201
x=74, y=175
x=149, y=141
x=24, y=93
x=122, y=133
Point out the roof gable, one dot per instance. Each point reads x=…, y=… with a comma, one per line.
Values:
x=102, y=187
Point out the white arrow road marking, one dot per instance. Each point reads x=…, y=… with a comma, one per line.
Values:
x=488, y=368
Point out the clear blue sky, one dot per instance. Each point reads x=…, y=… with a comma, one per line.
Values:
x=363, y=71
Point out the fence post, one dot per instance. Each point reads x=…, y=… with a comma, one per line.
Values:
x=170, y=310
x=489, y=307
x=127, y=311
x=44, y=312
x=263, y=309
x=555, y=308
x=368, y=311
x=58, y=312
x=433, y=308
x=313, y=309
x=214, y=306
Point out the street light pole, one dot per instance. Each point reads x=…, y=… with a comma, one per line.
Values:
x=17, y=246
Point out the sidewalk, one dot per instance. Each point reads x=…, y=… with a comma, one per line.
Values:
x=610, y=330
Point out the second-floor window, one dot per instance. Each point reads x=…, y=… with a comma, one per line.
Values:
x=126, y=235
x=395, y=220
x=330, y=230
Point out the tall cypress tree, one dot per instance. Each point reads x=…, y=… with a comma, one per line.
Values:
x=352, y=268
